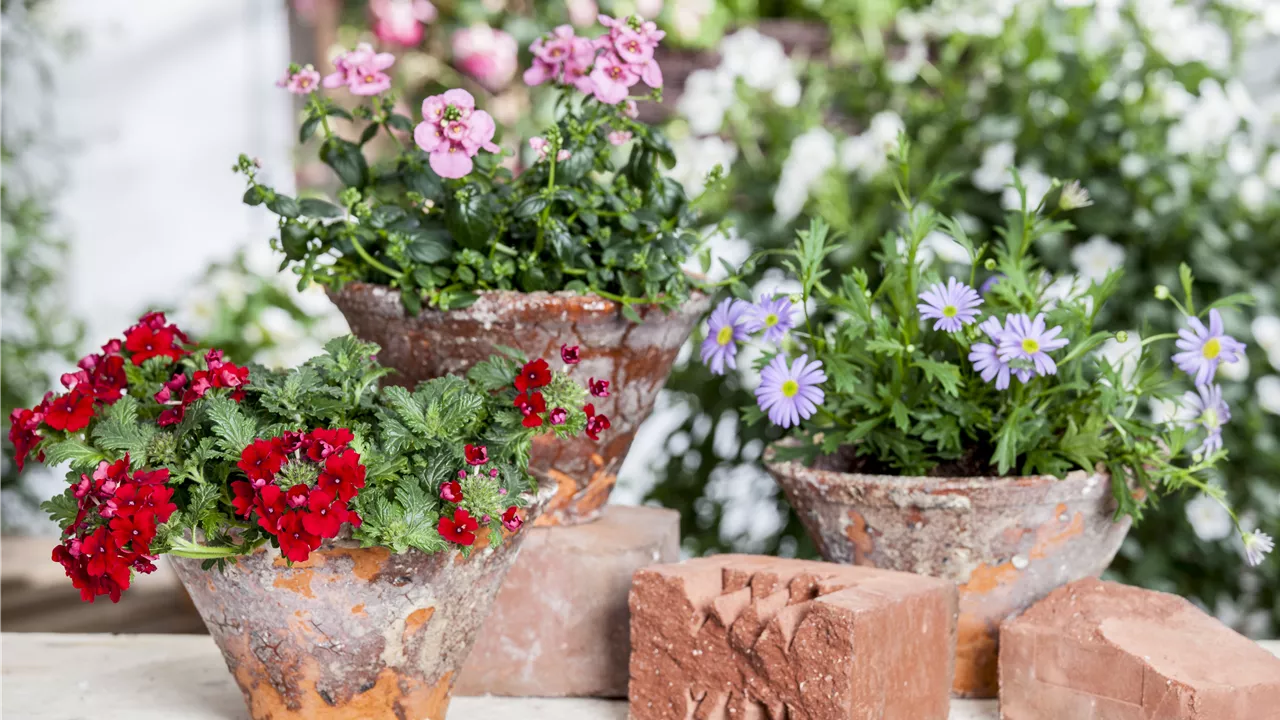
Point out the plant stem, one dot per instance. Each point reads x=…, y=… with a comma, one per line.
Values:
x=369, y=259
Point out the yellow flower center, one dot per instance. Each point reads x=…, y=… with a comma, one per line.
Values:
x=725, y=336
x=1211, y=348
x=790, y=388
x=771, y=319
x=1210, y=419
x=1030, y=346
x=950, y=311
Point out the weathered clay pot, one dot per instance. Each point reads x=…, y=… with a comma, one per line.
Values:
x=635, y=357
x=353, y=632
x=1006, y=541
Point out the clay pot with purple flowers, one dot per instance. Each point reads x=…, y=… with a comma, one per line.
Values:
x=635, y=357
x=1006, y=541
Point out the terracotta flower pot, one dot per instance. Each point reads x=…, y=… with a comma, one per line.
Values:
x=352, y=632
x=635, y=358
x=1006, y=541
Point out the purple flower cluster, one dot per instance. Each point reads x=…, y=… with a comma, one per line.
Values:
x=1203, y=349
x=1019, y=347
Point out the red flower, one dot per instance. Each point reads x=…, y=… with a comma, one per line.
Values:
x=558, y=416
x=326, y=516
x=23, y=424
x=136, y=531
x=271, y=507
x=224, y=374
x=531, y=405
x=343, y=475
x=262, y=459
x=145, y=342
x=70, y=412
x=152, y=477
x=323, y=443
x=534, y=374
x=461, y=529
x=451, y=492
x=296, y=496
x=596, y=424
x=476, y=454
x=295, y=542
x=244, y=499
x=292, y=440
x=570, y=355
x=599, y=388
x=101, y=376
x=511, y=519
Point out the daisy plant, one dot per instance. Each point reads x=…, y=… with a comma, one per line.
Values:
x=583, y=206
x=172, y=449
x=1000, y=372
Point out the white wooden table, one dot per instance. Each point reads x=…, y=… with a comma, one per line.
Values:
x=168, y=677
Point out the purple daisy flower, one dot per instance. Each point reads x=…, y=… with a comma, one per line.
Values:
x=986, y=357
x=1205, y=408
x=789, y=394
x=725, y=329
x=1026, y=343
x=954, y=305
x=990, y=283
x=774, y=315
x=1203, y=348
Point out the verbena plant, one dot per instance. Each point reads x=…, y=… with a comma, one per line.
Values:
x=445, y=216
x=174, y=451
x=994, y=373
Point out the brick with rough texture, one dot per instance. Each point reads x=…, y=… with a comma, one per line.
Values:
x=1097, y=650
x=559, y=626
x=738, y=637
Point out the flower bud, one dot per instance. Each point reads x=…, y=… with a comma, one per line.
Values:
x=1162, y=292
x=989, y=264
x=1122, y=337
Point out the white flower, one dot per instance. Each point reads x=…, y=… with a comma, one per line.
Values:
x=1096, y=257
x=787, y=93
x=1268, y=389
x=1133, y=165
x=725, y=245
x=1266, y=331
x=812, y=155
x=1272, y=173
x=689, y=15
x=868, y=153
x=758, y=59
x=1074, y=196
x=1256, y=546
x=907, y=68
x=695, y=157
x=946, y=248
x=1209, y=518
x=993, y=174
x=708, y=95
x=1163, y=411
x=1253, y=193
x=1241, y=157
x=1237, y=371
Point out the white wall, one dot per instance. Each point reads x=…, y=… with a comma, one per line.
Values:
x=157, y=103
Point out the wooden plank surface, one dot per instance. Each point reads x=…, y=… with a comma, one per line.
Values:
x=163, y=677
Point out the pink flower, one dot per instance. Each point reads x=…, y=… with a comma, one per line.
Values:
x=452, y=131
x=558, y=416
x=634, y=40
x=619, y=137
x=303, y=81
x=400, y=22
x=361, y=70
x=562, y=57
x=612, y=78
x=486, y=54
x=630, y=109
x=543, y=148
x=582, y=12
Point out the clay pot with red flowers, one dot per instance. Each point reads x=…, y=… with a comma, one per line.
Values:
x=441, y=255
x=343, y=541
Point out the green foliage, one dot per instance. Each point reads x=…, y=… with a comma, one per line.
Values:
x=603, y=220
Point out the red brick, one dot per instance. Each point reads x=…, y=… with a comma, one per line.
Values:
x=1104, y=651
x=559, y=627
x=737, y=637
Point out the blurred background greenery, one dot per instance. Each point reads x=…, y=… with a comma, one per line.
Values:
x=1164, y=109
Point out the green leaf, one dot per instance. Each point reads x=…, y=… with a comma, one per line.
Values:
x=120, y=430
x=941, y=372
x=471, y=222
x=885, y=346
x=284, y=206
x=530, y=206
x=235, y=431
x=400, y=122
x=81, y=456
x=308, y=128
x=253, y=196
x=429, y=247
x=575, y=166
x=900, y=416
x=62, y=508
x=630, y=313
x=312, y=207
x=369, y=131
x=347, y=161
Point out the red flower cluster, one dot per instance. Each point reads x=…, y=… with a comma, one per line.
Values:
x=461, y=526
x=534, y=375
x=155, y=336
x=596, y=424
x=112, y=533
x=299, y=517
x=218, y=374
x=101, y=380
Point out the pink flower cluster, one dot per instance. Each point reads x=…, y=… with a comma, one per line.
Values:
x=452, y=131
x=489, y=55
x=300, y=80
x=361, y=71
x=400, y=22
x=606, y=67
